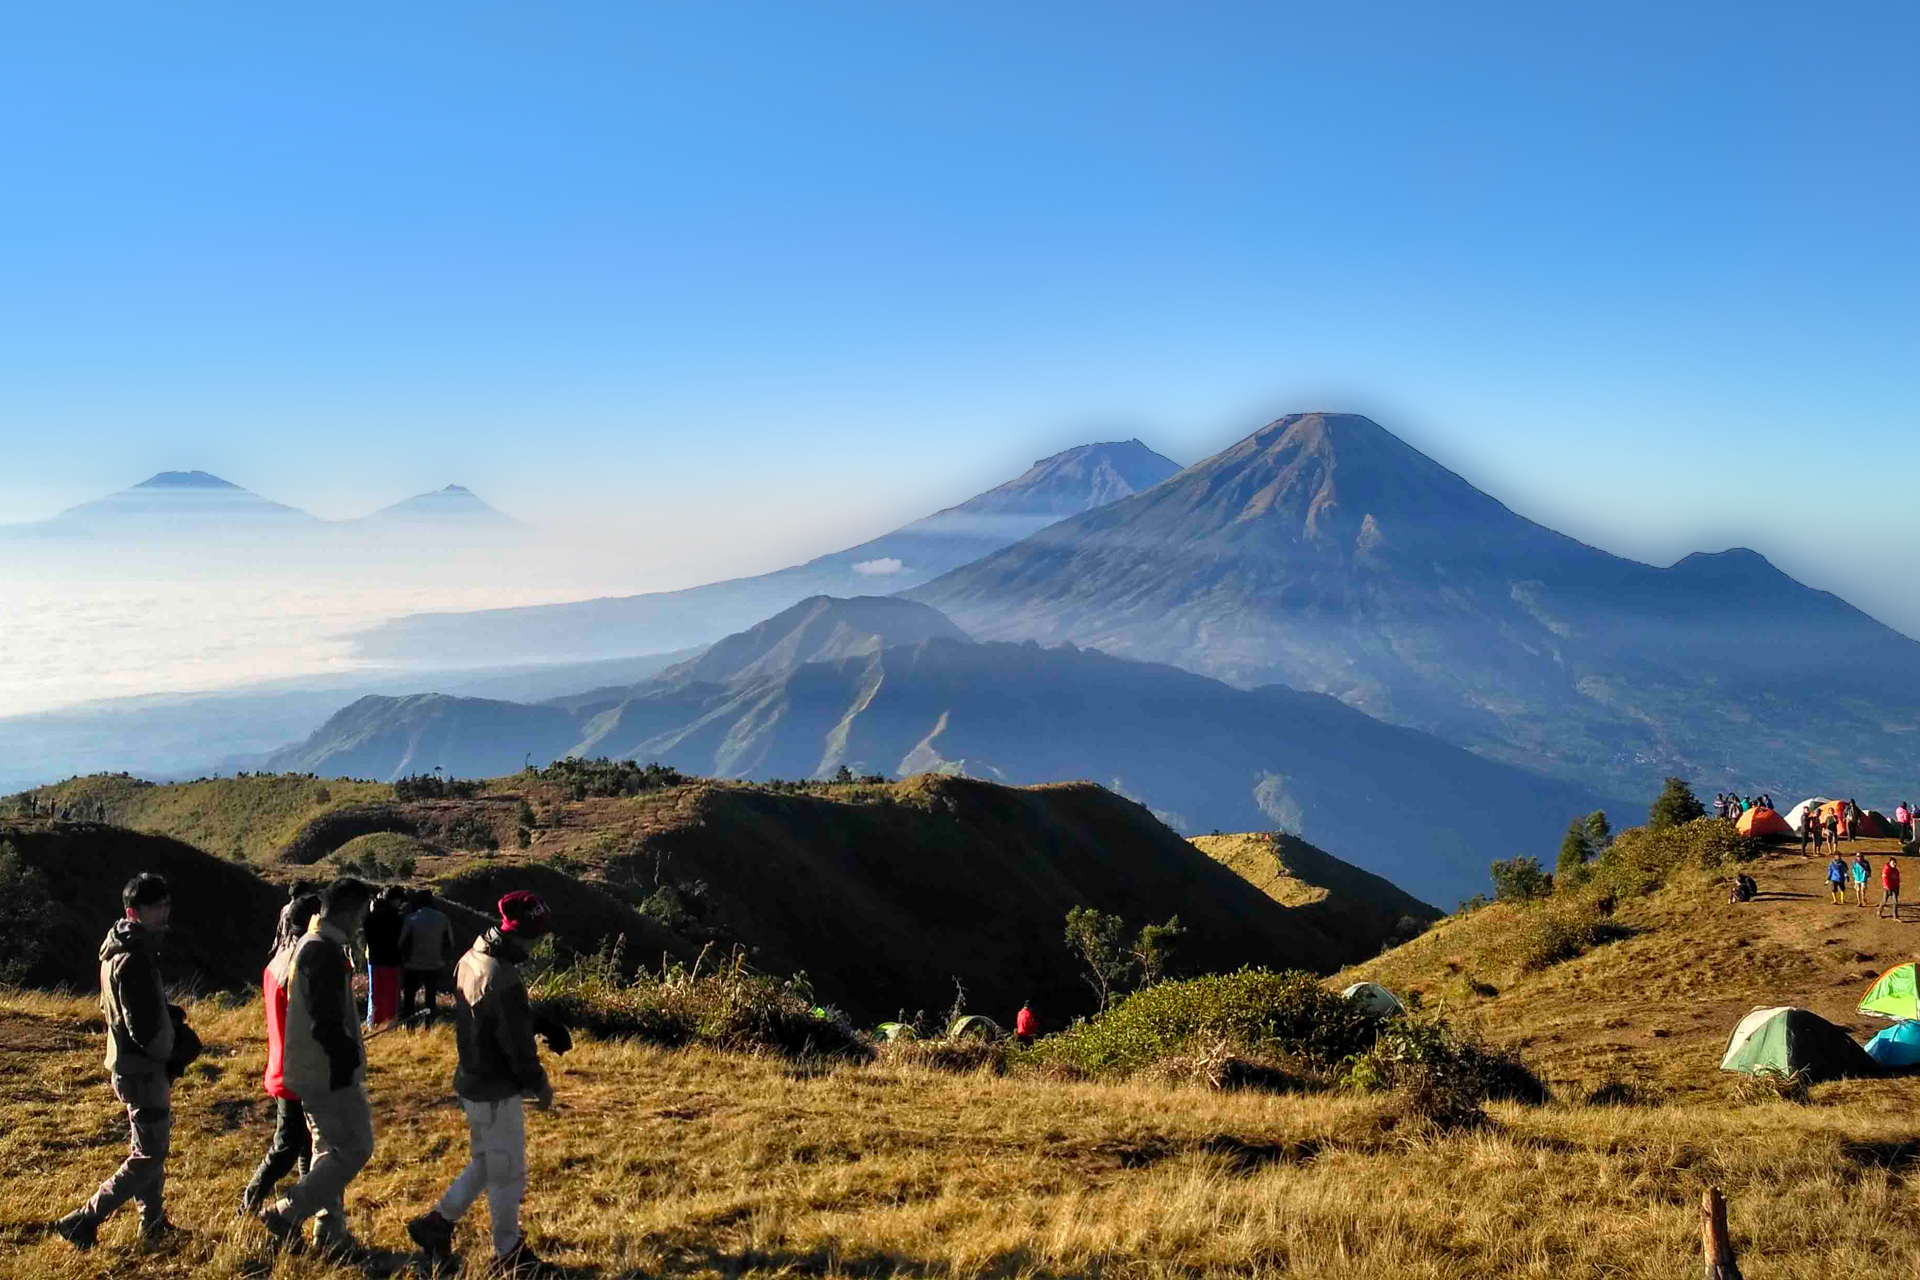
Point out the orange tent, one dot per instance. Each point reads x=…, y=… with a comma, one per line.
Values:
x=1764, y=824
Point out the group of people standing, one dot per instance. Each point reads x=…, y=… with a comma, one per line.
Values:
x=1728, y=805
x=316, y=1062
x=1860, y=872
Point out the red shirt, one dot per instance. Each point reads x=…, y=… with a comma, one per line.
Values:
x=1890, y=877
x=1023, y=1022
x=274, y=991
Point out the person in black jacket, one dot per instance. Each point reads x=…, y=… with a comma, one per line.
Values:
x=140, y=1050
x=499, y=1066
x=382, y=934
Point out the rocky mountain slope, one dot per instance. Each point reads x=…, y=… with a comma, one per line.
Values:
x=1200, y=753
x=1324, y=553
x=1079, y=479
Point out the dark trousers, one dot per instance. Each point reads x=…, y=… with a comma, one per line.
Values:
x=411, y=983
x=292, y=1145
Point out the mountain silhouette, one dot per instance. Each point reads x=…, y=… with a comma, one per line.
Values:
x=1076, y=480
x=1201, y=754
x=1324, y=553
x=174, y=503
x=453, y=505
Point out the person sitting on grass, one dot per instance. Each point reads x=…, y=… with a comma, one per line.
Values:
x=499, y=1068
x=1890, y=888
x=1837, y=880
x=1862, y=872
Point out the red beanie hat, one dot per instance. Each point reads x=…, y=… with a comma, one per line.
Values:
x=525, y=914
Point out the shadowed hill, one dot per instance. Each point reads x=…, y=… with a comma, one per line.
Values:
x=223, y=914
x=881, y=894
x=1076, y=480
x=1323, y=553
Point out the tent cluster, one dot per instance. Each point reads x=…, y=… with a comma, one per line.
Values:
x=1791, y=1040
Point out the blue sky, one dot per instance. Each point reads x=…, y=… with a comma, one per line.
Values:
x=1647, y=273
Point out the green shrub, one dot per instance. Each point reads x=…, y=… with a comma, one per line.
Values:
x=1448, y=1070
x=731, y=1008
x=1645, y=858
x=1520, y=880
x=1559, y=931
x=1254, y=1011
x=1675, y=806
x=27, y=909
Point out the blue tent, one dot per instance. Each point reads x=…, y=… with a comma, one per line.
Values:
x=1897, y=1046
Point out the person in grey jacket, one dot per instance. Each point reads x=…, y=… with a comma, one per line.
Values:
x=426, y=949
x=323, y=1062
x=499, y=1066
x=140, y=1045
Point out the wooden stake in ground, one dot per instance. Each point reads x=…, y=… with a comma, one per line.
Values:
x=1715, y=1249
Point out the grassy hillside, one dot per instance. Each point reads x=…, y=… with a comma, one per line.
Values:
x=1359, y=910
x=1656, y=1005
x=247, y=819
x=694, y=1163
x=883, y=895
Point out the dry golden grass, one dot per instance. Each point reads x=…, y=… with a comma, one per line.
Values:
x=1656, y=1007
x=693, y=1163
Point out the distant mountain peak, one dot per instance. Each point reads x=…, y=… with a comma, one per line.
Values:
x=185, y=480
x=1075, y=480
x=457, y=488
x=818, y=629
x=455, y=504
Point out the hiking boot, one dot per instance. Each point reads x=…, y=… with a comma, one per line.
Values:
x=284, y=1231
x=163, y=1232
x=433, y=1233
x=340, y=1247
x=519, y=1262
x=79, y=1230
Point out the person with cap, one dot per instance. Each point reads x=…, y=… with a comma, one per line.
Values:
x=426, y=948
x=141, y=1051
x=499, y=1068
x=323, y=1060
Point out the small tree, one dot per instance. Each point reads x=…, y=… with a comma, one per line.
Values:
x=1575, y=850
x=1098, y=939
x=1155, y=948
x=843, y=775
x=1520, y=880
x=1599, y=832
x=1675, y=805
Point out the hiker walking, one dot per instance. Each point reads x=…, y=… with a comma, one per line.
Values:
x=1900, y=820
x=1837, y=880
x=142, y=1045
x=1862, y=871
x=292, y=1145
x=384, y=924
x=1889, y=888
x=323, y=1060
x=499, y=1067
x=426, y=949
x=1025, y=1025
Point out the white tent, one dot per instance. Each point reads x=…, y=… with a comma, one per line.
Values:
x=1375, y=999
x=1797, y=816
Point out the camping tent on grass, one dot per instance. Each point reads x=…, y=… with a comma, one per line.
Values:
x=1789, y=1040
x=1897, y=1046
x=1375, y=999
x=1894, y=994
x=977, y=1027
x=1875, y=824
x=1797, y=816
x=1764, y=824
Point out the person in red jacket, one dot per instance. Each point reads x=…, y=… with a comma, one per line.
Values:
x=1890, y=888
x=1025, y=1025
x=292, y=1144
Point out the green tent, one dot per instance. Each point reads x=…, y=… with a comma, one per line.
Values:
x=1894, y=994
x=1788, y=1040
x=896, y=1031
x=976, y=1026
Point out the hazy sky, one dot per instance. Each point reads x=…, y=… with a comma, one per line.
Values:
x=748, y=282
